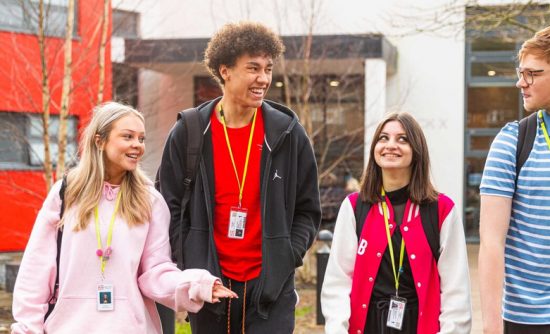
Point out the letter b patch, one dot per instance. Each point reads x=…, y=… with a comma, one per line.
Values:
x=362, y=247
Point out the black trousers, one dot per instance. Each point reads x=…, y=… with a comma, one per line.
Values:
x=378, y=316
x=515, y=328
x=280, y=320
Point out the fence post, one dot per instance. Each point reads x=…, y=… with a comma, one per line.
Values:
x=325, y=236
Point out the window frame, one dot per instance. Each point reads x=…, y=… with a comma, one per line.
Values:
x=27, y=26
x=30, y=140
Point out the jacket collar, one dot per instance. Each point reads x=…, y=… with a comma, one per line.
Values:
x=278, y=120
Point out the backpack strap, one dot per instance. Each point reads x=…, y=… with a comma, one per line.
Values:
x=193, y=152
x=429, y=214
x=53, y=298
x=361, y=211
x=526, y=139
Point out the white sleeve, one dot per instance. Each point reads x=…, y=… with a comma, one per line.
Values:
x=456, y=311
x=335, y=294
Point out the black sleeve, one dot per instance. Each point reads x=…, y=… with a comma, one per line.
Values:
x=170, y=183
x=307, y=212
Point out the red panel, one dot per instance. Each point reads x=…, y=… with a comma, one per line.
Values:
x=22, y=192
x=21, y=196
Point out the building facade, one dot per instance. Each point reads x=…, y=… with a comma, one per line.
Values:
x=22, y=182
x=451, y=66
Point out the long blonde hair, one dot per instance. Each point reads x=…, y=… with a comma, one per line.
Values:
x=85, y=181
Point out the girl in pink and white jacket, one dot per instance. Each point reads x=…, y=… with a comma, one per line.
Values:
x=389, y=280
x=115, y=253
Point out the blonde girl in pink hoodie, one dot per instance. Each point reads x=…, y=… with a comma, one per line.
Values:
x=115, y=253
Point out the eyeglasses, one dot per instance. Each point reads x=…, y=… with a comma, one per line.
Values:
x=527, y=75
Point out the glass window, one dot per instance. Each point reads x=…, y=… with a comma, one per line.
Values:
x=125, y=24
x=492, y=107
x=125, y=84
x=21, y=142
x=492, y=98
x=11, y=15
x=494, y=69
x=492, y=44
x=481, y=143
x=206, y=89
x=13, y=147
x=474, y=170
x=22, y=16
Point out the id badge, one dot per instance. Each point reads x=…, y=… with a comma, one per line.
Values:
x=396, y=312
x=237, y=223
x=105, y=297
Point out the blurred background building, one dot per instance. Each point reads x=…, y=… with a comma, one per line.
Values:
x=348, y=62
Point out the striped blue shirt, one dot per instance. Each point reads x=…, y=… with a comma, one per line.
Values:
x=527, y=254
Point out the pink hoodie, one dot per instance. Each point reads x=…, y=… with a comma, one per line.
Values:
x=140, y=270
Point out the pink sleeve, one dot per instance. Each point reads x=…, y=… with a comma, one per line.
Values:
x=160, y=279
x=36, y=276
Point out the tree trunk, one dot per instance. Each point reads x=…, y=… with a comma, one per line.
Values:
x=67, y=83
x=102, y=47
x=46, y=97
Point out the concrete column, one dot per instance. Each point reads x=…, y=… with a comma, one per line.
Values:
x=375, y=99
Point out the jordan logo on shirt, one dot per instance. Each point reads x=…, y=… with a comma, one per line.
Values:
x=276, y=176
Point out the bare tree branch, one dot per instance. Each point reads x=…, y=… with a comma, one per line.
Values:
x=46, y=97
x=67, y=80
x=102, y=47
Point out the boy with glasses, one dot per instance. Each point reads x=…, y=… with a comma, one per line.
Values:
x=515, y=211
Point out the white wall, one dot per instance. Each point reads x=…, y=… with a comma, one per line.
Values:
x=430, y=85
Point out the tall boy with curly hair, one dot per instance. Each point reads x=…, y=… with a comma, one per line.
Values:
x=254, y=210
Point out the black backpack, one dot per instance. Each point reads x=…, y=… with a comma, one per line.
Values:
x=526, y=139
x=53, y=298
x=194, y=139
x=429, y=214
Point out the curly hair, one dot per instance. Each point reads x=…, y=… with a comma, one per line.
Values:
x=538, y=45
x=236, y=39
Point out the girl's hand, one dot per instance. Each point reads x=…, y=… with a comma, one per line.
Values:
x=220, y=291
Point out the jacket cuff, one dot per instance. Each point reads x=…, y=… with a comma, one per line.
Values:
x=297, y=258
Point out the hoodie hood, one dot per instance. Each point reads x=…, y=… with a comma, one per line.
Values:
x=279, y=120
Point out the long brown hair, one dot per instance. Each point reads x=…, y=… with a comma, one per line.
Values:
x=421, y=189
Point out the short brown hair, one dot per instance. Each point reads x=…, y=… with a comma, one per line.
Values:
x=420, y=186
x=236, y=39
x=538, y=45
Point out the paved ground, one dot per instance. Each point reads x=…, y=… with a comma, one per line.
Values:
x=305, y=319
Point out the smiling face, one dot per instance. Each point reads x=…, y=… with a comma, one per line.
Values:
x=124, y=147
x=537, y=95
x=247, y=82
x=393, y=151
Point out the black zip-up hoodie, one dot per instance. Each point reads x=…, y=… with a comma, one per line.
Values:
x=290, y=206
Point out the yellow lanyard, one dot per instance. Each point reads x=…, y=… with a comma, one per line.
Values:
x=241, y=185
x=396, y=274
x=104, y=254
x=543, y=126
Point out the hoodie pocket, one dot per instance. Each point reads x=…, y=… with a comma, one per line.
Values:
x=79, y=314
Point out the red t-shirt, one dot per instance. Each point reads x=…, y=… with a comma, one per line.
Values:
x=240, y=259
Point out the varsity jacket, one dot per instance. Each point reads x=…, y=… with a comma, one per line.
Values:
x=290, y=205
x=443, y=288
